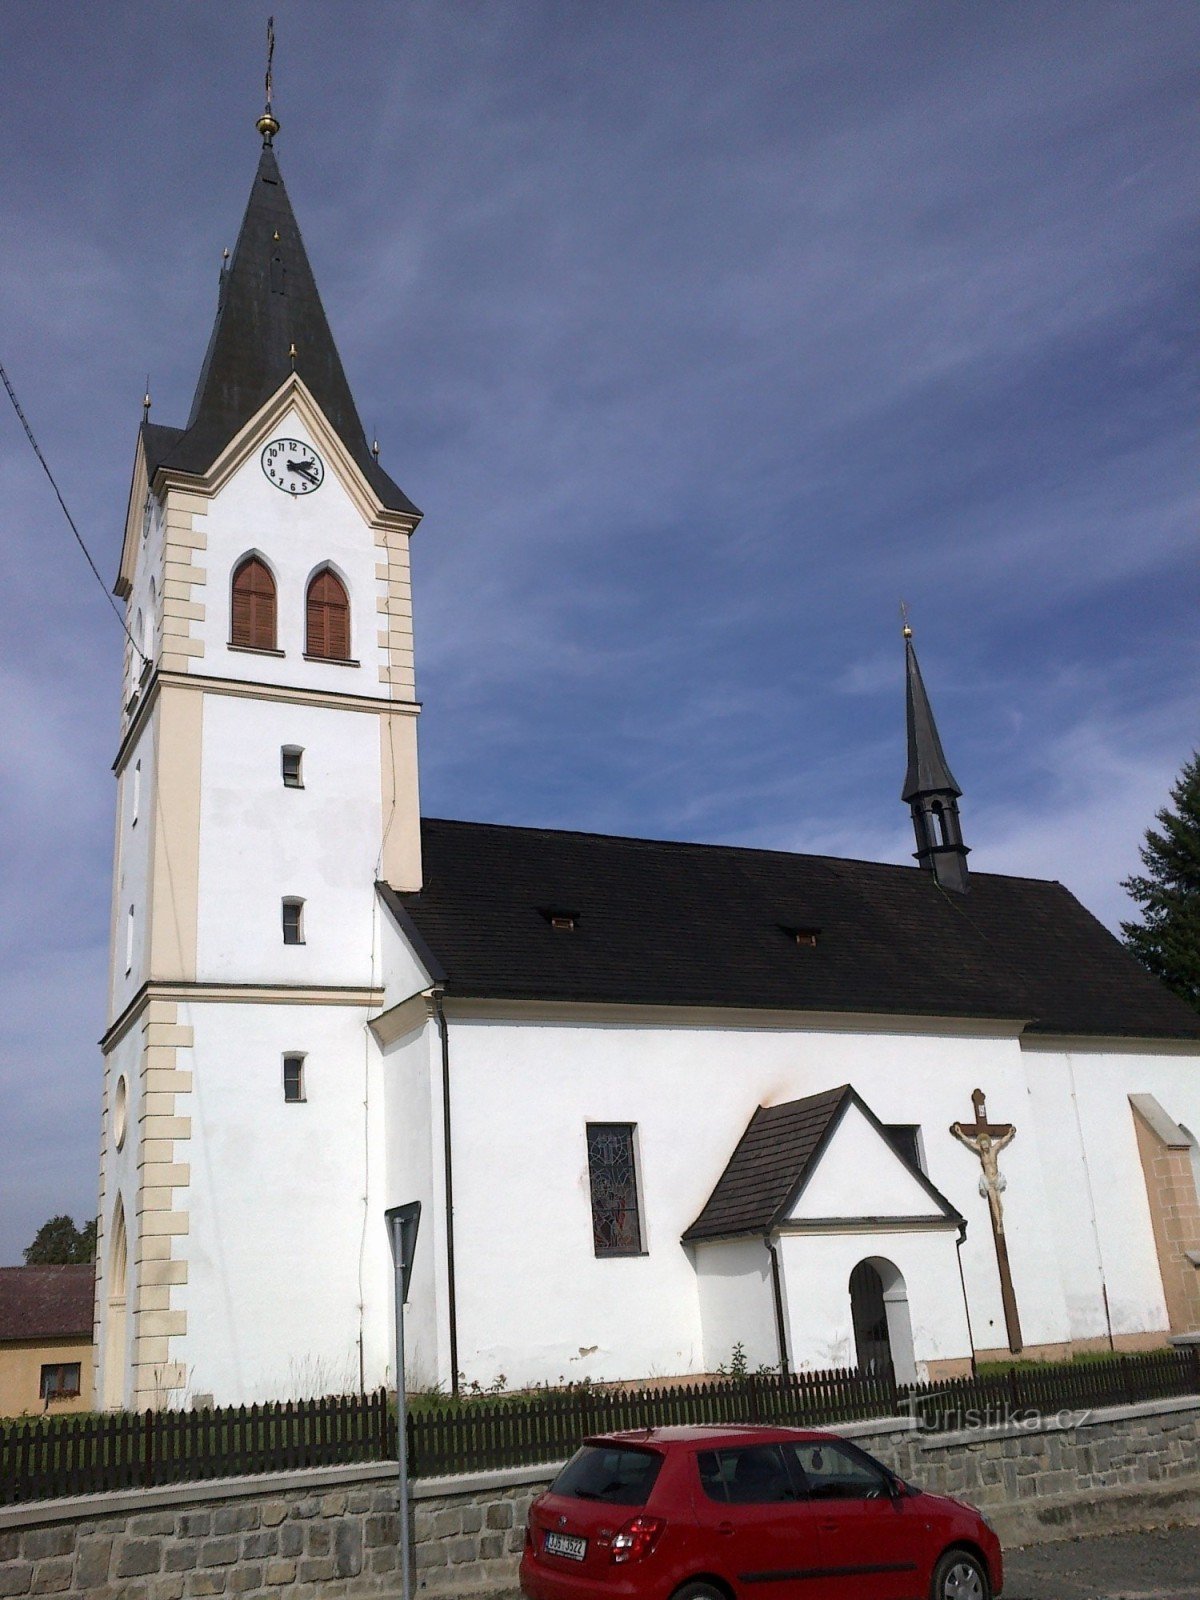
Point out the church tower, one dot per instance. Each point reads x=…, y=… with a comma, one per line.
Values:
x=266, y=781
x=930, y=791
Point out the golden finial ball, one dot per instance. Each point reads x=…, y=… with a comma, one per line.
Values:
x=268, y=126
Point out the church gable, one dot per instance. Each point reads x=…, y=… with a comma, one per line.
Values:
x=826, y=1157
x=857, y=1173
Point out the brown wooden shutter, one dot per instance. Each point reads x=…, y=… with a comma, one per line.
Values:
x=328, y=618
x=253, y=622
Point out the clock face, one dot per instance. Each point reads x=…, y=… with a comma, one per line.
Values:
x=293, y=467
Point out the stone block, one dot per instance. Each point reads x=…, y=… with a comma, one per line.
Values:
x=181, y=1557
x=308, y=1507
x=221, y=1552
x=347, y=1549
x=10, y=1545
x=472, y=1519
x=279, y=1571
x=427, y=1555
x=333, y=1504
x=53, y=1575
x=382, y=1528
x=136, y=1557
x=446, y=1522
x=244, y=1578
x=291, y=1539
x=320, y=1539
x=166, y=1588
x=257, y=1545
x=92, y=1561
x=273, y=1513
x=195, y=1525
x=38, y=1543
x=358, y=1501
x=204, y=1583
x=499, y=1515
x=235, y=1519
x=516, y=1539
x=152, y=1522
x=491, y=1545
x=463, y=1548
x=315, y=1569
x=385, y=1500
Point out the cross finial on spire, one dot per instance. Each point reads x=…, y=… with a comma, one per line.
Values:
x=905, y=629
x=146, y=400
x=268, y=123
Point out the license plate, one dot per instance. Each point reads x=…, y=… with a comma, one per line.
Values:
x=565, y=1544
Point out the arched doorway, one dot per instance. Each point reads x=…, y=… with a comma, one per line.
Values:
x=114, y=1320
x=883, y=1339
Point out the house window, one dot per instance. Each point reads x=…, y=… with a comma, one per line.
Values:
x=290, y=757
x=293, y=1079
x=905, y=1140
x=60, y=1382
x=327, y=618
x=293, y=921
x=252, y=606
x=612, y=1171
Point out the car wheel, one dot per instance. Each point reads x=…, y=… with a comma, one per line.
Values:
x=699, y=1590
x=960, y=1576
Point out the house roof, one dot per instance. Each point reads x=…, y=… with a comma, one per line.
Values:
x=774, y=1157
x=46, y=1302
x=713, y=925
x=268, y=302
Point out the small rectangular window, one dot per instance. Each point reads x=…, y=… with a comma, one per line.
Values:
x=293, y=922
x=136, y=799
x=290, y=758
x=612, y=1172
x=129, y=942
x=293, y=1079
x=60, y=1382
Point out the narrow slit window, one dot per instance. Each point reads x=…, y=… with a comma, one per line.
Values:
x=612, y=1175
x=291, y=758
x=135, y=804
x=293, y=921
x=129, y=942
x=293, y=1079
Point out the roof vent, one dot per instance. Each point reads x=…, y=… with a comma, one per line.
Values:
x=561, y=920
x=807, y=937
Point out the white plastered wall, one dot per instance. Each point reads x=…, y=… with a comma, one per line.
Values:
x=1083, y=1095
x=286, y=1237
x=261, y=841
x=860, y=1175
x=522, y=1096
x=737, y=1302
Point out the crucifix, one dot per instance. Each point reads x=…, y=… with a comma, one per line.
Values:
x=986, y=1140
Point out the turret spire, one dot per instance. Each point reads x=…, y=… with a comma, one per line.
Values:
x=929, y=787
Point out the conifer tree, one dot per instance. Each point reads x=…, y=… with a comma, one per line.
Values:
x=1167, y=939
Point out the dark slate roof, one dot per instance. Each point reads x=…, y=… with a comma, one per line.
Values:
x=928, y=770
x=712, y=925
x=255, y=327
x=767, y=1170
x=46, y=1302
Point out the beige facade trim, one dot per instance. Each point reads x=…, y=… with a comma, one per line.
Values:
x=139, y=488
x=1174, y=1209
x=641, y=1016
x=174, y=879
x=404, y=1018
x=250, y=994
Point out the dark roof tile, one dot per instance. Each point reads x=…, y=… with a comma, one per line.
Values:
x=46, y=1302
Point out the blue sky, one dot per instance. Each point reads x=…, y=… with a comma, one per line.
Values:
x=703, y=332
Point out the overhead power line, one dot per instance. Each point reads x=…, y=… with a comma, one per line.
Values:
x=12, y=395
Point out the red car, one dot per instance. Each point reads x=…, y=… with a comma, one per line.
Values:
x=725, y=1513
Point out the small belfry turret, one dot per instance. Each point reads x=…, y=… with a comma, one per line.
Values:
x=929, y=790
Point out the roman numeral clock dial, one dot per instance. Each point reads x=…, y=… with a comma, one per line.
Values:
x=293, y=467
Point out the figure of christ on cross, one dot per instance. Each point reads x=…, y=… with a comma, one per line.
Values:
x=986, y=1140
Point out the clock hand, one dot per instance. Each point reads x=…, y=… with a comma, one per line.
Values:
x=306, y=469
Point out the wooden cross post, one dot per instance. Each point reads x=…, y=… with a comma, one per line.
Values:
x=986, y=1139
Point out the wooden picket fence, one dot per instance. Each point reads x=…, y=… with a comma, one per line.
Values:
x=46, y=1458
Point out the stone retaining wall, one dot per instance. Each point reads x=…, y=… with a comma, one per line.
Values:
x=332, y=1533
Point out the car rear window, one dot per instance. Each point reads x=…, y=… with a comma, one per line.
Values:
x=614, y=1473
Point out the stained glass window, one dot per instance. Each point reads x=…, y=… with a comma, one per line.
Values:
x=616, y=1216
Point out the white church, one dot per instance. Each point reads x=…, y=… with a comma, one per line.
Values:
x=656, y=1100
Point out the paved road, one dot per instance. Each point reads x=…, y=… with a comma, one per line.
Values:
x=1162, y=1565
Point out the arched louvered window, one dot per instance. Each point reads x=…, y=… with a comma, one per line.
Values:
x=327, y=618
x=253, y=608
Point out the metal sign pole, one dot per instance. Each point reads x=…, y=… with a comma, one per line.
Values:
x=402, y=1227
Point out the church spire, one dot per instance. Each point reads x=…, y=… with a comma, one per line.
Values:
x=929, y=787
x=270, y=323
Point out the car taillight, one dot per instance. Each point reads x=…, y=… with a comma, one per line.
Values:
x=636, y=1539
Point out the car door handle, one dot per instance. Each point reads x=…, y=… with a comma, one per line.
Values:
x=724, y=1527
x=830, y=1527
